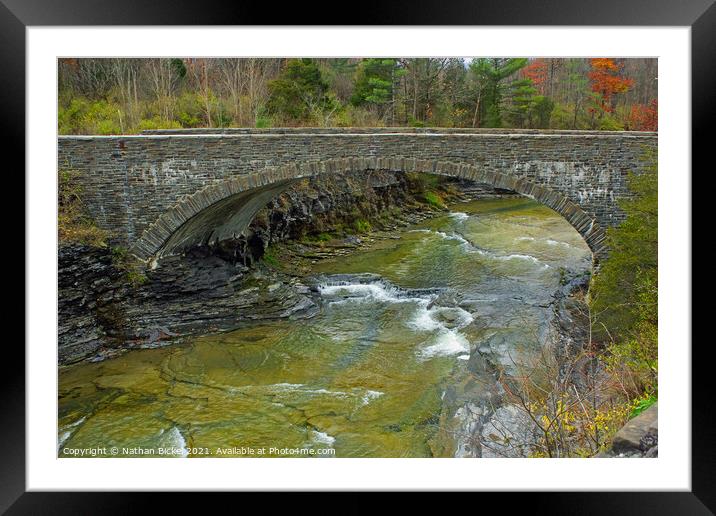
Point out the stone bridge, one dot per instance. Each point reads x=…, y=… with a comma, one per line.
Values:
x=163, y=191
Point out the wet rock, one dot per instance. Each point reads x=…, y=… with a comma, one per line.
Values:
x=100, y=313
x=448, y=298
x=509, y=433
x=505, y=430
x=499, y=348
x=451, y=317
x=652, y=452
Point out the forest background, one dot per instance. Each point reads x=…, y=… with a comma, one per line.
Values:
x=129, y=95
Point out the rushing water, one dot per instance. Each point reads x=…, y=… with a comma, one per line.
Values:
x=367, y=376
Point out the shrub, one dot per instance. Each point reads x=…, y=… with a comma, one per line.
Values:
x=69, y=117
x=189, y=110
x=263, y=122
x=136, y=278
x=412, y=122
x=433, y=199
x=222, y=116
x=74, y=225
x=624, y=293
x=157, y=123
x=362, y=226
x=352, y=116
x=566, y=421
x=562, y=117
x=609, y=123
x=133, y=271
x=82, y=116
x=641, y=404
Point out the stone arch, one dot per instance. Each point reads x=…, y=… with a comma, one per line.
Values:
x=226, y=208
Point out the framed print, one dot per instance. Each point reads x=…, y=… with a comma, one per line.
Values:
x=429, y=253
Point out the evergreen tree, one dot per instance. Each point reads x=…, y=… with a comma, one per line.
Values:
x=490, y=75
x=374, y=82
x=542, y=108
x=298, y=91
x=523, y=100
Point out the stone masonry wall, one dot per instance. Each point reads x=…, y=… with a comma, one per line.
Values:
x=129, y=181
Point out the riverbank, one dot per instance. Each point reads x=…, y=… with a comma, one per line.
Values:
x=497, y=409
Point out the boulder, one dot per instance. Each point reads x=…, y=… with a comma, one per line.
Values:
x=638, y=438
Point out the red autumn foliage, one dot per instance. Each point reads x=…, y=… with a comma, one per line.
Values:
x=644, y=117
x=536, y=71
x=607, y=81
x=73, y=63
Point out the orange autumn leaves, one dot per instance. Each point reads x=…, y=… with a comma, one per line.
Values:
x=536, y=72
x=644, y=117
x=607, y=80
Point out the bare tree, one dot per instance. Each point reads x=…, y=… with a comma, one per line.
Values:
x=126, y=73
x=162, y=81
x=234, y=78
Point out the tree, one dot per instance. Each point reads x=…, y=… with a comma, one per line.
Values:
x=90, y=77
x=164, y=74
x=541, y=111
x=298, y=91
x=244, y=80
x=422, y=81
x=577, y=87
x=455, y=106
x=340, y=75
x=536, y=72
x=523, y=98
x=528, y=109
x=205, y=70
x=126, y=73
x=489, y=75
x=606, y=81
x=118, y=95
x=374, y=84
x=233, y=79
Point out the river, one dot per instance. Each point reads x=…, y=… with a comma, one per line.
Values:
x=406, y=328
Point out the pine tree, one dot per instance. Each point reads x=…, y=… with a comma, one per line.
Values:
x=489, y=75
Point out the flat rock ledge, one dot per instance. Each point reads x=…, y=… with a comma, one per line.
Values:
x=638, y=438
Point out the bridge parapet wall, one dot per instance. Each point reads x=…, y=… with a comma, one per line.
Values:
x=386, y=130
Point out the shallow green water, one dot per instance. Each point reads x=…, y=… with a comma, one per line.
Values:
x=366, y=376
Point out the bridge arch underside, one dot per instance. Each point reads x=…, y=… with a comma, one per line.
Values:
x=225, y=209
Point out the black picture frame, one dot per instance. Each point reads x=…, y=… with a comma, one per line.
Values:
x=16, y=15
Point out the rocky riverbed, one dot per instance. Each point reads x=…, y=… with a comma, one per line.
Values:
x=413, y=323
x=390, y=342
